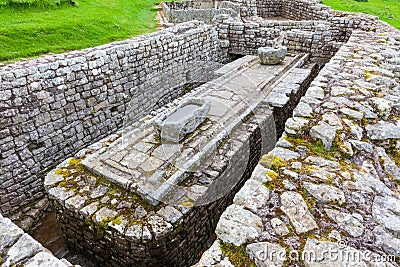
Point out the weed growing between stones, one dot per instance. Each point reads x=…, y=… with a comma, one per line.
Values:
x=237, y=255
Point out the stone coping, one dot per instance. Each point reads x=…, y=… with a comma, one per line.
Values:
x=332, y=183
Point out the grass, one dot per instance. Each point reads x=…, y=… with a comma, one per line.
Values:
x=386, y=10
x=30, y=28
x=37, y=27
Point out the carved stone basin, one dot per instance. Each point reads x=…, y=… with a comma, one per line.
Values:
x=184, y=120
x=271, y=55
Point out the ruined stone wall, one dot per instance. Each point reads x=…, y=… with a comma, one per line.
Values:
x=55, y=105
x=167, y=239
x=334, y=174
x=177, y=12
x=315, y=37
x=269, y=8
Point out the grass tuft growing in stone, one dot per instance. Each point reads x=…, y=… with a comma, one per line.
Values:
x=237, y=255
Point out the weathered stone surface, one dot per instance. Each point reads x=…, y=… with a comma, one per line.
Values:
x=159, y=226
x=259, y=173
x=266, y=254
x=104, y=214
x=22, y=250
x=170, y=214
x=238, y=226
x=303, y=110
x=296, y=209
x=77, y=202
x=252, y=196
x=383, y=106
x=271, y=55
x=90, y=209
x=134, y=232
x=352, y=113
x=284, y=153
x=9, y=233
x=99, y=191
x=390, y=244
x=60, y=193
x=279, y=227
x=214, y=257
x=52, y=179
x=44, y=259
x=295, y=125
x=325, y=193
x=347, y=222
x=386, y=211
x=188, y=116
x=325, y=132
x=383, y=130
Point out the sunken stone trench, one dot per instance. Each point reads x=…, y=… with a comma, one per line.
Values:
x=149, y=149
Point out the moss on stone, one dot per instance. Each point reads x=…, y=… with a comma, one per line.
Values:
x=237, y=255
x=273, y=162
x=272, y=174
x=187, y=203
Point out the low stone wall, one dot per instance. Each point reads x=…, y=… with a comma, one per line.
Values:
x=20, y=249
x=167, y=235
x=53, y=106
x=331, y=184
x=178, y=12
x=315, y=37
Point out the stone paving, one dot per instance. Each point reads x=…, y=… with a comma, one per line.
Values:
x=328, y=194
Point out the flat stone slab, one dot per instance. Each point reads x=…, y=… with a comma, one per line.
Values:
x=294, y=206
x=238, y=226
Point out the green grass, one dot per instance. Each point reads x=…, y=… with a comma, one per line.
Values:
x=35, y=29
x=386, y=10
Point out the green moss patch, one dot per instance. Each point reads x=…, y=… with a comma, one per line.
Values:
x=237, y=255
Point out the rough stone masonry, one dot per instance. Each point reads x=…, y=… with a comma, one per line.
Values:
x=330, y=184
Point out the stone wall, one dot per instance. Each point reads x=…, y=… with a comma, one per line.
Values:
x=118, y=226
x=177, y=12
x=169, y=236
x=315, y=37
x=332, y=181
x=55, y=105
